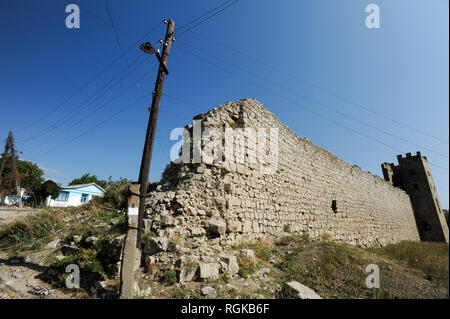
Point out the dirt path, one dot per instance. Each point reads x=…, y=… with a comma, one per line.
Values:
x=8, y=214
x=19, y=280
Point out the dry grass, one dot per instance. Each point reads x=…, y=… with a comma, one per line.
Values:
x=245, y=262
x=337, y=270
x=429, y=257
x=263, y=250
x=31, y=231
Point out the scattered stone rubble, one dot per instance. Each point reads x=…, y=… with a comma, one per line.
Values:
x=38, y=291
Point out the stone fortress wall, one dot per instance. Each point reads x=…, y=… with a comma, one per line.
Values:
x=199, y=207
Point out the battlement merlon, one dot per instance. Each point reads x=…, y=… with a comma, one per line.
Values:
x=408, y=156
x=388, y=172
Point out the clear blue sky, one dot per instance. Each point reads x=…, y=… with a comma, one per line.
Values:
x=399, y=70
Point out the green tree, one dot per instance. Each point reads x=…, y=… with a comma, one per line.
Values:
x=118, y=182
x=88, y=178
x=48, y=188
x=116, y=194
x=31, y=176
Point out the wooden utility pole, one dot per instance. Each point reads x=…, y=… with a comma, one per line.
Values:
x=15, y=172
x=151, y=127
x=9, y=140
x=10, y=147
x=2, y=166
x=127, y=277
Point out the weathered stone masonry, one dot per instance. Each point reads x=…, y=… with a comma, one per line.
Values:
x=200, y=207
x=413, y=175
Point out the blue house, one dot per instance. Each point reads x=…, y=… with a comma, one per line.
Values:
x=75, y=195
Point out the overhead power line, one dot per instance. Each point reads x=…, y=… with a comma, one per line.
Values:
x=184, y=26
x=115, y=28
x=291, y=101
x=93, y=127
x=213, y=12
x=324, y=90
x=107, y=103
x=116, y=34
x=78, y=108
x=86, y=84
x=314, y=101
x=227, y=4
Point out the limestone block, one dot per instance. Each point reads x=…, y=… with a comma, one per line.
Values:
x=233, y=226
x=255, y=227
x=187, y=273
x=209, y=292
x=53, y=244
x=196, y=231
x=300, y=291
x=209, y=270
x=156, y=245
x=217, y=227
x=231, y=263
x=220, y=201
x=147, y=225
x=247, y=226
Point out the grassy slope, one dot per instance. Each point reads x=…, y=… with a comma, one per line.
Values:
x=333, y=270
x=26, y=237
x=337, y=270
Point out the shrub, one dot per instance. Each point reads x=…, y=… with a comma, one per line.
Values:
x=245, y=262
x=225, y=278
x=325, y=237
x=115, y=197
x=91, y=270
x=233, y=124
x=41, y=192
x=145, y=239
x=170, y=277
x=243, y=273
x=88, y=178
x=196, y=295
x=179, y=293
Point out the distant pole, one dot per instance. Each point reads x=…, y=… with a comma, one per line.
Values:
x=132, y=249
x=5, y=153
x=10, y=147
x=14, y=170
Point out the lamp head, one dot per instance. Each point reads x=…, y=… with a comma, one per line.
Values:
x=147, y=48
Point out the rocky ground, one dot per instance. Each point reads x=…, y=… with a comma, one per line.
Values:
x=35, y=251
x=19, y=279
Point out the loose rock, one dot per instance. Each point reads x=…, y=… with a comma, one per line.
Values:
x=53, y=244
x=209, y=292
x=299, y=291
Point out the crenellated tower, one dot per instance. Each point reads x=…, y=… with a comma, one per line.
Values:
x=413, y=175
